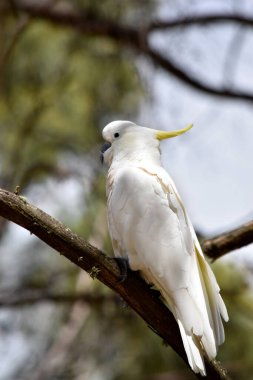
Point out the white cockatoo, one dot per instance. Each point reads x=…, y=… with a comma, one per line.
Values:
x=150, y=228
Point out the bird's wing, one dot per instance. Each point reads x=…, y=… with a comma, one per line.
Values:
x=203, y=286
x=148, y=222
x=209, y=285
x=145, y=225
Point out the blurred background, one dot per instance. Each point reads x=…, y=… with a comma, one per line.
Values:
x=66, y=69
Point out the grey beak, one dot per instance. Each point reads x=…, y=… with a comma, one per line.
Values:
x=103, y=149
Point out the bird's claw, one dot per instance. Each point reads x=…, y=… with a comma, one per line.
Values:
x=123, y=267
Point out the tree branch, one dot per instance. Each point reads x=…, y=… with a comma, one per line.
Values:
x=212, y=19
x=229, y=241
x=28, y=298
x=84, y=21
x=134, y=290
x=173, y=68
x=89, y=23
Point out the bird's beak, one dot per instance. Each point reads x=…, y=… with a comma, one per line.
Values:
x=161, y=135
x=104, y=148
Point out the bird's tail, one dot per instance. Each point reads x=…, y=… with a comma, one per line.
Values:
x=197, y=335
x=193, y=350
x=199, y=321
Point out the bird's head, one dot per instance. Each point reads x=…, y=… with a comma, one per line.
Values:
x=125, y=139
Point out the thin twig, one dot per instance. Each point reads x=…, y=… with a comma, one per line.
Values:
x=207, y=19
x=28, y=298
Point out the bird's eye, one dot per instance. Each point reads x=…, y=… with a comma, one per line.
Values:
x=116, y=134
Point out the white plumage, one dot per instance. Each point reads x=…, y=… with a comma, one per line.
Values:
x=149, y=226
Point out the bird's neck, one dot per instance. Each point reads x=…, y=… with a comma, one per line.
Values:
x=143, y=156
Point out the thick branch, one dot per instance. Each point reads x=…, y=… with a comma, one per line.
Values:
x=91, y=24
x=134, y=290
x=229, y=241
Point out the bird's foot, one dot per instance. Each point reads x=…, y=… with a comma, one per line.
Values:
x=154, y=290
x=123, y=267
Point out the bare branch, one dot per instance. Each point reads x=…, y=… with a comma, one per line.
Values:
x=28, y=298
x=134, y=290
x=89, y=23
x=227, y=242
x=201, y=20
x=173, y=68
x=84, y=21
